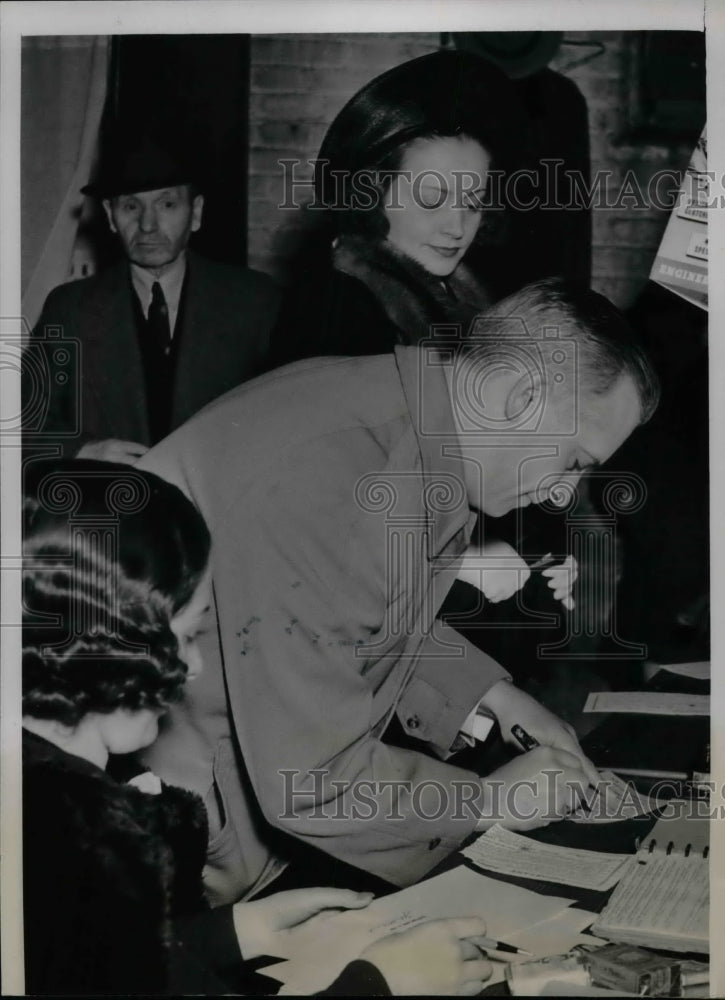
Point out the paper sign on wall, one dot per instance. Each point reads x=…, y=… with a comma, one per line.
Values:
x=681, y=261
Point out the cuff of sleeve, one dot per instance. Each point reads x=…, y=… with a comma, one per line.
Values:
x=437, y=700
x=359, y=978
x=476, y=726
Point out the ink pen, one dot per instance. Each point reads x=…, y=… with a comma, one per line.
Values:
x=525, y=741
x=493, y=945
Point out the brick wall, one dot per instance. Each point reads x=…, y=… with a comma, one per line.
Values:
x=625, y=238
x=300, y=82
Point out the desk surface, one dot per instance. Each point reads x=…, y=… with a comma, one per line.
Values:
x=640, y=741
x=618, y=837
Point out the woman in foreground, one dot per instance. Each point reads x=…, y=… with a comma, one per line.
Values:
x=116, y=591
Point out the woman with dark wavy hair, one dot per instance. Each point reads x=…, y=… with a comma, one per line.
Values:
x=115, y=589
x=406, y=181
x=115, y=593
x=409, y=185
x=124, y=597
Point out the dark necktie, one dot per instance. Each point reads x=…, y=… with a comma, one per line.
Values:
x=158, y=319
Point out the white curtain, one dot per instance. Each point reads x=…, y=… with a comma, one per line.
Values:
x=64, y=81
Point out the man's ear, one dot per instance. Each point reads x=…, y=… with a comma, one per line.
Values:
x=524, y=397
x=197, y=210
x=109, y=214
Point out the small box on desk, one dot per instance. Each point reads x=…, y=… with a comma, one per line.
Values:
x=634, y=970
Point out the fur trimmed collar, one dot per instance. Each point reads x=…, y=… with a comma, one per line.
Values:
x=169, y=829
x=413, y=299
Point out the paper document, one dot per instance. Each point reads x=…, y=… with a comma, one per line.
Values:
x=554, y=936
x=663, y=902
x=681, y=261
x=550, y=938
x=648, y=702
x=320, y=950
x=613, y=800
x=501, y=850
x=699, y=670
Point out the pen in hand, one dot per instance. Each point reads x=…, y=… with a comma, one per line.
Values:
x=527, y=742
x=545, y=564
x=542, y=563
x=492, y=945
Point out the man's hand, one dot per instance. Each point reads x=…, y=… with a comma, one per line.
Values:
x=512, y=706
x=533, y=790
x=496, y=569
x=438, y=958
x=262, y=922
x=113, y=450
x=561, y=580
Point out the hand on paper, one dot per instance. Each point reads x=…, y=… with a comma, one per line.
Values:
x=113, y=450
x=262, y=924
x=436, y=958
x=495, y=569
x=512, y=706
x=562, y=579
x=533, y=790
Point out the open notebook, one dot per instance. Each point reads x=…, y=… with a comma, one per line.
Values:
x=663, y=899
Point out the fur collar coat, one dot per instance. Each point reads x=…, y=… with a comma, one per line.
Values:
x=366, y=299
x=106, y=868
x=412, y=298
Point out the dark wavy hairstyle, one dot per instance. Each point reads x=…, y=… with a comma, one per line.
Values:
x=110, y=554
x=444, y=94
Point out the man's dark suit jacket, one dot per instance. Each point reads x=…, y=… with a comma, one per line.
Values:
x=95, y=388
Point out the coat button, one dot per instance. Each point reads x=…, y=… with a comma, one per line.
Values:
x=434, y=843
x=413, y=722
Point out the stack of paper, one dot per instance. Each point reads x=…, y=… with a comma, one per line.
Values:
x=543, y=925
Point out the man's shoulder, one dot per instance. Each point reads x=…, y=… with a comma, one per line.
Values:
x=305, y=401
x=81, y=290
x=310, y=429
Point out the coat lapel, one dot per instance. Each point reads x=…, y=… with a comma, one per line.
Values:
x=199, y=369
x=113, y=374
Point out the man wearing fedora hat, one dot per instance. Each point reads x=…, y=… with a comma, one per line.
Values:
x=162, y=332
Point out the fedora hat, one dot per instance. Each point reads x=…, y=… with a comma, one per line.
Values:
x=517, y=53
x=143, y=164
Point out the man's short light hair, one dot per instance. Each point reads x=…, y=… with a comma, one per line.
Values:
x=607, y=347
